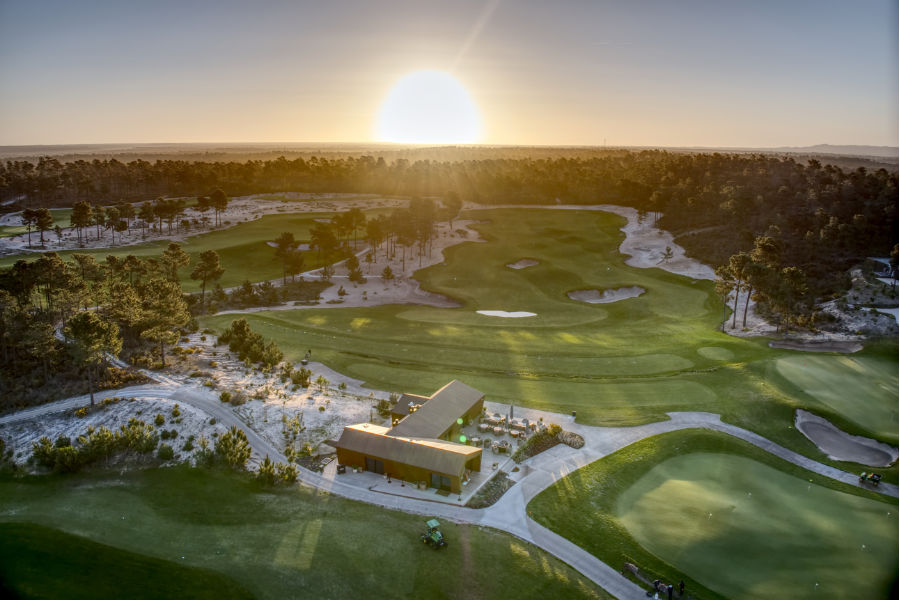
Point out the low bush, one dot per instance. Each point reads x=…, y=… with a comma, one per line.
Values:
x=165, y=452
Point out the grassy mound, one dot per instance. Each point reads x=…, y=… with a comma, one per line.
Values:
x=634, y=506
x=282, y=543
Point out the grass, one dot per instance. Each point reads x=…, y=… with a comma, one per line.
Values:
x=39, y=562
x=775, y=528
x=275, y=543
x=623, y=363
x=61, y=217
x=861, y=388
x=243, y=249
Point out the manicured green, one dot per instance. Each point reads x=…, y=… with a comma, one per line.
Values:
x=861, y=388
x=774, y=531
x=718, y=516
x=280, y=543
x=621, y=363
x=61, y=217
x=39, y=562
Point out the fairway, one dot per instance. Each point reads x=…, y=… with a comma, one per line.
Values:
x=243, y=249
x=621, y=363
x=281, y=543
x=39, y=562
x=61, y=217
x=862, y=389
x=747, y=530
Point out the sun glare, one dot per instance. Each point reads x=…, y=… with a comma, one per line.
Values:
x=429, y=107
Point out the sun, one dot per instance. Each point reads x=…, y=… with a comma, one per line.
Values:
x=428, y=107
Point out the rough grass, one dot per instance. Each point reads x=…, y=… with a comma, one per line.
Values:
x=794, y=511
x=39, y=562
x=622, y=363
x=282, y=543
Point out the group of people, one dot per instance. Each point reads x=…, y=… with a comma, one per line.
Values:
x=660, y=587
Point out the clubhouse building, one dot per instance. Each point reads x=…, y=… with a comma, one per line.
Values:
x=422, y=443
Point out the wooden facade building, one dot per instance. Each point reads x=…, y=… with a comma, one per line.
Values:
x=423, y=444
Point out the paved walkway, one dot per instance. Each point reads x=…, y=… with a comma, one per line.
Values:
x=509, y=514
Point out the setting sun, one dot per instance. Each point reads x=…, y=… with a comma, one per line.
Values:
x=428, y=107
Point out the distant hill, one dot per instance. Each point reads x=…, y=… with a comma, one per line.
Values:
x=879, y=151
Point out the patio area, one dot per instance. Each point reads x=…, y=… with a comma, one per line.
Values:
x=395, y=487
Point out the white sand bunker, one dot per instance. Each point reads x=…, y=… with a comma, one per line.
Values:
x=840, y=445
x=846, y=347
x=606, y=296
x=523, y=264
x=503, y=313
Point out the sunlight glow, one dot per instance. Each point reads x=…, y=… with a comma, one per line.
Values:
x=429, y=107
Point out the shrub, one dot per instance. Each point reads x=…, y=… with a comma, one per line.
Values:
x=165, y=452
x=204, y=457
x=286, y=473
x=266, y=474
x=63, y=441
x=301, y=376
x=44, y=452
x=81, y=412
x=159, y=420
x=234, y=448
x=225, y=396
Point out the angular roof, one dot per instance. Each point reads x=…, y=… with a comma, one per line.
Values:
x=402, y=405
x=440, y=412
x=435, y=455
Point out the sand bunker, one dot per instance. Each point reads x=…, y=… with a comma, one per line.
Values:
x=818, y=346
x=606, y=296
x=840, y=445
x=523, y=264
x=503, y=313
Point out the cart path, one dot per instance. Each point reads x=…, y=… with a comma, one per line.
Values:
x=509, y=514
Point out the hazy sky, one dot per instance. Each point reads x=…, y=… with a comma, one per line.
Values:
x=671, y=73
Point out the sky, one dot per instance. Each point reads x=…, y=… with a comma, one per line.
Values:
x=715, y=73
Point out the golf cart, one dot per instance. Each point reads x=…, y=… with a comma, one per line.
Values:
x=872, y=478
x=432, y=536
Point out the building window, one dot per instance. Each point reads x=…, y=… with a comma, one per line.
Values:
x=441, y=482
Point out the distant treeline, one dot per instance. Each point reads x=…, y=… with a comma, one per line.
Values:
x=824, y=218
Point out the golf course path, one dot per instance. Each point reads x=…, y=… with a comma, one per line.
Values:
x=510, y=513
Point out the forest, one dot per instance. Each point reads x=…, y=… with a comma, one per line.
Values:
x=783, y=231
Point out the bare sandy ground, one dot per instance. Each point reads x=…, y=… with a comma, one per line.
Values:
x=846, y=347
x=376, y=290
x=523, y=264
x=21, y=435
x=840, y=445
x=607, y=296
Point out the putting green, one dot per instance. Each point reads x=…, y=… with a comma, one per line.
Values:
x=747, y=530
x=861, y=388
x=715, y=353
